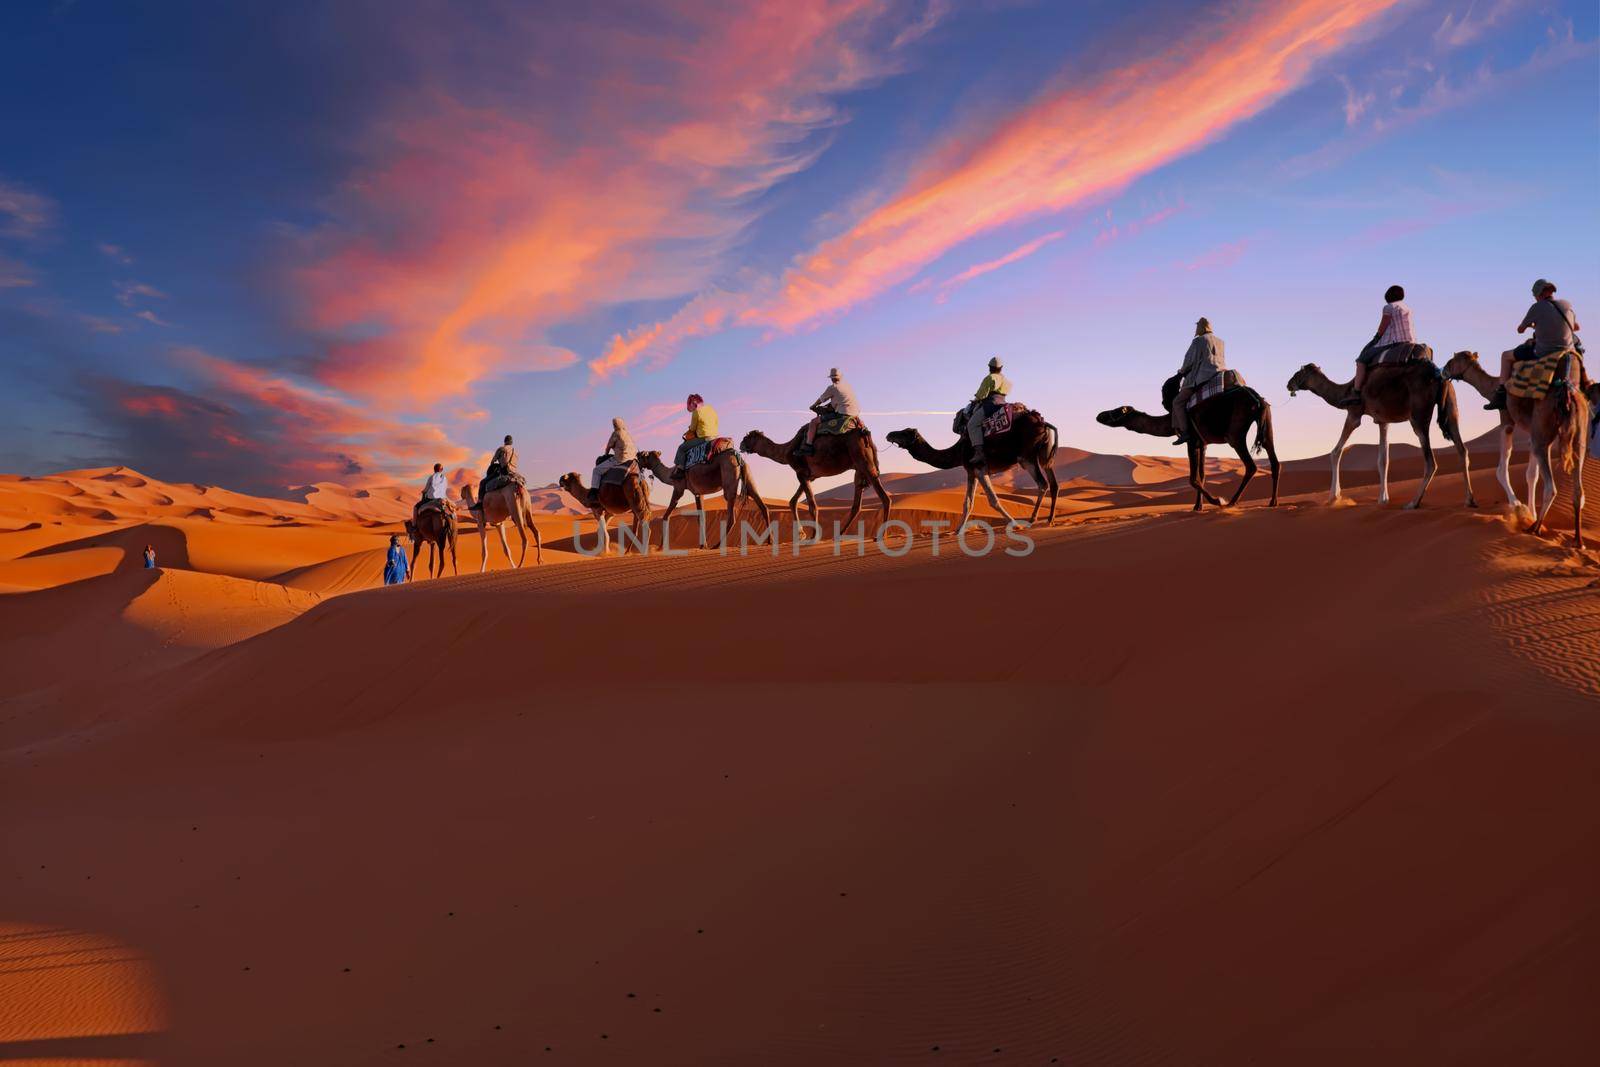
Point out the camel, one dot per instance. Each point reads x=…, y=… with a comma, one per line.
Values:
x=1031, y=442
x=1222, y=419
x=509, y=503
x=1517, y=415
x=436, y=526
x=726, y=473
x=628, y=497
x=1398, y=393
x=835, y=454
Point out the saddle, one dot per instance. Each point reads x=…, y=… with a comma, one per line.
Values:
x=1532, y=378
x=837, y=424
x=500, y=481
x=706, y=452
x=996, y=423
x=618, y=474
x=435, y=505
x=1222, y=383
x=1404, y=352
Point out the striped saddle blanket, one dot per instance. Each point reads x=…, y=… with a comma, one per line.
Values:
x=1228, y=379
x=1532, y=377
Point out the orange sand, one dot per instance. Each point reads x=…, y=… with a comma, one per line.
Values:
x=1313, y=785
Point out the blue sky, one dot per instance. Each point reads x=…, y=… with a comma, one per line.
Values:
x=268, y=245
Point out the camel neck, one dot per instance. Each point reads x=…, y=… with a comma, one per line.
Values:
x=1154, y=425
x=943, y=458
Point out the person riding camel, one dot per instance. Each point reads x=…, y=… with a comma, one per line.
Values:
x=1203, y=361
x=837, y=399
x=702, y=429
x=437, y=487
x=990, y=398
x=619, y=452
x=1555, y=329
x=503, y=462
x=1394, y=328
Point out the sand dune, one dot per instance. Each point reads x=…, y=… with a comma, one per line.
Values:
x=1301, y=785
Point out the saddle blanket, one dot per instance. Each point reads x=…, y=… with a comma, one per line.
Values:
x=704, y=451
x=500, y=481
x=1228, y=379
x=435, y=505
x=1532, y=377
x=1000, y=421
x=1403, y=353
x=617, y=473
x=838, y=424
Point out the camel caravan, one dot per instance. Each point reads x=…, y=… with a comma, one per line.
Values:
x=1541, y=388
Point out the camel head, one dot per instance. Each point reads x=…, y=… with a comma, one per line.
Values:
x=748, y=443
x=1459, y=364
x=569, y=482
x=1114, y=417
x=904, y=438
x=1303, y=377
x=412, y=534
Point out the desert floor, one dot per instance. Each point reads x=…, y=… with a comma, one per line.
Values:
x=1305, y=785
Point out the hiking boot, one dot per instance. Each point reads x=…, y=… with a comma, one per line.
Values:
x=1498, y=401
x=806, y=449
x=594, y=497
x=1352, y=399
x=1181, y=441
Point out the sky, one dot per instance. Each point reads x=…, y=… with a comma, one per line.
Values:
x=267, y=245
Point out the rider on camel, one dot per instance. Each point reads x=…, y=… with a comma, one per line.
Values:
x=837, y=399
x=1555, y=329
x=619, y=452
x=1394, y=328
x=990, y=398
x=504, y=462
x=702, y=429
x=1203, y=361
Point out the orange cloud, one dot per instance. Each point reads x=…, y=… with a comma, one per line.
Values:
x=475, y=227
x=1080, y=140
x=980, y=269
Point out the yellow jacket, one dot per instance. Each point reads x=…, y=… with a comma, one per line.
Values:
x=993, y=382
x=703, y=421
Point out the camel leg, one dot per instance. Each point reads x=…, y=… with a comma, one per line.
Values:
x=538, y=542
x=416, y=550
x=1351, y=421
x=1383, y=463
x=966, y=505
x=1532, y=475
x=1502, y=472
x=1547, y=477
x=1055, y=491
x=1577, y=499
x=455, y=568
x=811, y=504
x=700, y=506
x=483, y=545
x=1242, y=446
x=855, y=505
x=883, y=494
x=794, y=502
x=994, y=498
x=1197, y=466
x=505, y=546
x=1430, y=465
x=605, y=538
x=1036, y=472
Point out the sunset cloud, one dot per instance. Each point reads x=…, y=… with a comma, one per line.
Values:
x=475, y=226
x=1081, y=139
x=23, y=212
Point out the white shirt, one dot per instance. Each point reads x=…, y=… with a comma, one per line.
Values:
x=1399, y=324
x=841, y=398
x=438, y=487
x=620, y=445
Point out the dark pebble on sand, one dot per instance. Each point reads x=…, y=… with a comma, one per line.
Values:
x=656, y=1010
x=347, y=970
x=632, y=995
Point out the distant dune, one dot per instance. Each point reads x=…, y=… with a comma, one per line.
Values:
x=1254, y=786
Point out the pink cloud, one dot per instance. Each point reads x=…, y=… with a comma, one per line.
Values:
x=1082, y=139
x=24, y=213
x=1219, y=258
x=980, y=269
x=475, y=226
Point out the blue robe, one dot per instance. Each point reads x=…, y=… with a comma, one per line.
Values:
x=394, y=567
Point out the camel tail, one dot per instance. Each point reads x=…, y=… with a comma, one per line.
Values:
x=1055, y=442
x=1264, y=429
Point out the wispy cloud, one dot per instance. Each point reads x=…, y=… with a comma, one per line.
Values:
x=1082, y=139
x=151, y=317
x=23, y=212
x=978, y=270
x=474, y=227
x=115, y=253
x=130, y=294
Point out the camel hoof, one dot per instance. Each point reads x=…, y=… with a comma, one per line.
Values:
x=1413, y=506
